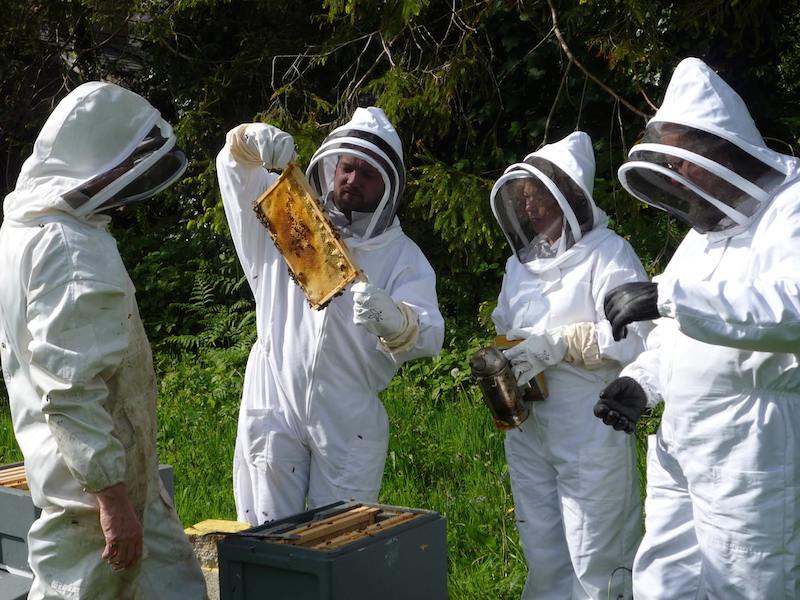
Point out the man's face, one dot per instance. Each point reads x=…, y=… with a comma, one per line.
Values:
x=694, y=173
x=699, y=213
x=357, y=185
x=542, y=210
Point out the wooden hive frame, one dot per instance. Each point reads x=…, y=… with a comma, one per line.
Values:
x=13, y=476
x=319, y=262
x=343, y=528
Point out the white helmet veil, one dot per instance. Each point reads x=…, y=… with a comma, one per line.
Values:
x=702, y=158
x=101, y=145
x=153, y=166
x=559, y=174
x=368, y=136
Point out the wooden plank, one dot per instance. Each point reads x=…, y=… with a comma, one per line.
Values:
x=329, y=528
x=12, y=476
x=13, y=481
x=12, y=471
x=318, y=531
x=369, y=531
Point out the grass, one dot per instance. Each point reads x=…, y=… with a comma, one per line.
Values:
x=444, y=455
x=9, y=451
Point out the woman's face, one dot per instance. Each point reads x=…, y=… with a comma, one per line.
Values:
x=542, y=210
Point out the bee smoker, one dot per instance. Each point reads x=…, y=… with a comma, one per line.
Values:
x=505, y=399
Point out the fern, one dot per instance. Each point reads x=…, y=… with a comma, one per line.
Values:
x=213, y=315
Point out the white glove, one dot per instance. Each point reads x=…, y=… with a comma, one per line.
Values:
x=259, y=144
x=575, y=344
x=537, y=352
x=375, y=310
x=582, y=347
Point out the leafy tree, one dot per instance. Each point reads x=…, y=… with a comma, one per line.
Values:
x=471, y=85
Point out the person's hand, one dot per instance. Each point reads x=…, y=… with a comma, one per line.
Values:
x=121, y=528
x=629, y=302
x=621, y=404
x=262, y=144
x=375, y=310
x=533, y=355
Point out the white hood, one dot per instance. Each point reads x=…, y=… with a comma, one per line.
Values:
x=696, y=96
x=93, y=129
x=574, y=155
x=701, y=155
x=370, y=136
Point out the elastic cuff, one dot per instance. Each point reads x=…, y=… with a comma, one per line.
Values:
x=664, y=303
x=240, y=151
x=407, y=338
x=643, y=379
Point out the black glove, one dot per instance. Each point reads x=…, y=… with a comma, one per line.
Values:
x=637, y=301
x=621, y=404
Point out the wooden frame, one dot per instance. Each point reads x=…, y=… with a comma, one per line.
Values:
x=343, y=528
x=13, y=476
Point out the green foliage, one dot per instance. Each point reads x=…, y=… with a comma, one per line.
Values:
x=217, y=324
x=9, y=451
x=456, y=205
x=198, y=407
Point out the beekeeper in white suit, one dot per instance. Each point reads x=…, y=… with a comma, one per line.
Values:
x=574, y=481
x=311, y=426
x=723, y=475
x=76, y=360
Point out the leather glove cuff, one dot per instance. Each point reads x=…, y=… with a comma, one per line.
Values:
x=406, y=339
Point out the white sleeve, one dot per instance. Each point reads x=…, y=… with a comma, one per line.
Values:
x=501, y=316
x=646, y=368
x=415, y=286
x=622, y=267
x=240, y=185
x=80, y=336
x=760, y=314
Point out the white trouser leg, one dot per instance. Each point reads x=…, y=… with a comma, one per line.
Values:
x=271, y=461
x=601, y=512
x=347, y=462
x=275, y=487
x=576, y=491
x=668, y=563
x=353, y=475
x=538, y=515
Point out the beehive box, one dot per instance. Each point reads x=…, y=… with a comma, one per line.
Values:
x=344, y=551
x=17, y=514
x=318, y=260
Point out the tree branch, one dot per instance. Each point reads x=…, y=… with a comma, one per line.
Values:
x=578, y=64
x=553, y=106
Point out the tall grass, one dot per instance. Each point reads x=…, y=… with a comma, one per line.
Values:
x=9, y=451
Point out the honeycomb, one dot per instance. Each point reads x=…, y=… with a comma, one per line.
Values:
x=317, y=259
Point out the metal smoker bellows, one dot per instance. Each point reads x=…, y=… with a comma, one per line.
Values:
x=492, y=371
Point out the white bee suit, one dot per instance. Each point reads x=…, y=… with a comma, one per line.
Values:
x=723, y=502
x=575, y=483
x=77, y=363
x=311, y=423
